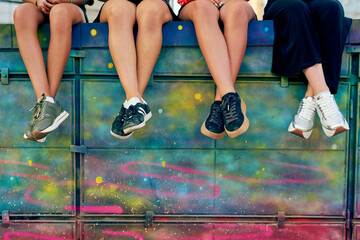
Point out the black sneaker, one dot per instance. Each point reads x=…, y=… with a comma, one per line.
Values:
x=213, y=126
x=136, y=117
x=234, y=110
x=117, y=125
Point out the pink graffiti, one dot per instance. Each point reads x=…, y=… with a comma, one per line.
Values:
x=130, y=234
x=97, y=209
x=33, y=176
x=25, y=164
x=7, y=236
x=329, y=174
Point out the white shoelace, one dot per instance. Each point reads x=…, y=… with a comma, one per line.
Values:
x=328, y=107
x=307, y=109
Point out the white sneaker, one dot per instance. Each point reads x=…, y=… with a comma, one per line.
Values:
x=303, y=122
x=332, y=121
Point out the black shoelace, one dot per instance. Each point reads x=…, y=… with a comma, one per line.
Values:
x=230, y=110
x=216, y=116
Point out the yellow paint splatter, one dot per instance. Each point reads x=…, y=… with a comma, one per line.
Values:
x=99, y=180
x=110, y=65
x=93, y=32
x=30, y=162
x=180, y=27
x=197, y=96
x=263, y=169
x=163, y=163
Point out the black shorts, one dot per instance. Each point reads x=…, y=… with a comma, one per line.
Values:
x=137, y=2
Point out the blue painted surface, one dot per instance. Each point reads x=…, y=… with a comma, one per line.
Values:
x=169, y=167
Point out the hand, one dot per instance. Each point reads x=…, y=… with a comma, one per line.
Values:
x=58, y=1
x=44, y=6
x=217, y=3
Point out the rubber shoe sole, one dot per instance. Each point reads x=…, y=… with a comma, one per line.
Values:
x=338, y=130
x=133, y=128
x=244, y=127
x=119, y=136
x=31, y=138
x=299, y=132
x=55, y=125
x=210, y=134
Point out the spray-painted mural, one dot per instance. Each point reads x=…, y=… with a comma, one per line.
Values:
x=82, y=183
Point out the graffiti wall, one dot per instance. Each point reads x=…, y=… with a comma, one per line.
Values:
x=168, y=181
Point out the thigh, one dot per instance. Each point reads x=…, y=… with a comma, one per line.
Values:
x=30, y=14
x=121, y=7
x=238, y=9
x=67, y=11
x=197, y=7
x=161, y=8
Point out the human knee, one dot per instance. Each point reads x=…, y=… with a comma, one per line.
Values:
x=120, y=12
x=240, y=12
x=148, y=16
x=60, y=18
x=203, y=10
x=333, y=9
x=22, y=16
x=296, y=7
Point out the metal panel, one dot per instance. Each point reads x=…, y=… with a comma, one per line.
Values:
x=354, y=35
x=295, y=182
x=134, y=181
x=219, y=231
x=5, y=36
x=17, y=98
x=37, y=181
x=178, y=109
x=190, y=181
x=14, y=62
x=357, y=160
x=40, y=230
x=356, y=232
x=270, y=110
x=44, y=36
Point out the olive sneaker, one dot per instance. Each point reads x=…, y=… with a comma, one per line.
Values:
x=48, y=117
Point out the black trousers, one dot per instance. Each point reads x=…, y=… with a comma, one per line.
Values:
x=308, y=32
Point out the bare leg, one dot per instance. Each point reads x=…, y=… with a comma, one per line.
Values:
x=315, y=76
x=27, y=18
x=120, y=15
x=211, y=41
x=235, y=15
x=62, y=17
x=150, y=16
x=309, y=92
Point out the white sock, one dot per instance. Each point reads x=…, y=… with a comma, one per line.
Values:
x=131, y=102
x=322, y=93
x=144, y=101
x=48, y=99
x=126, y=104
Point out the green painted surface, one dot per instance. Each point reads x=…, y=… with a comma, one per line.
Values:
x=17, y=98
